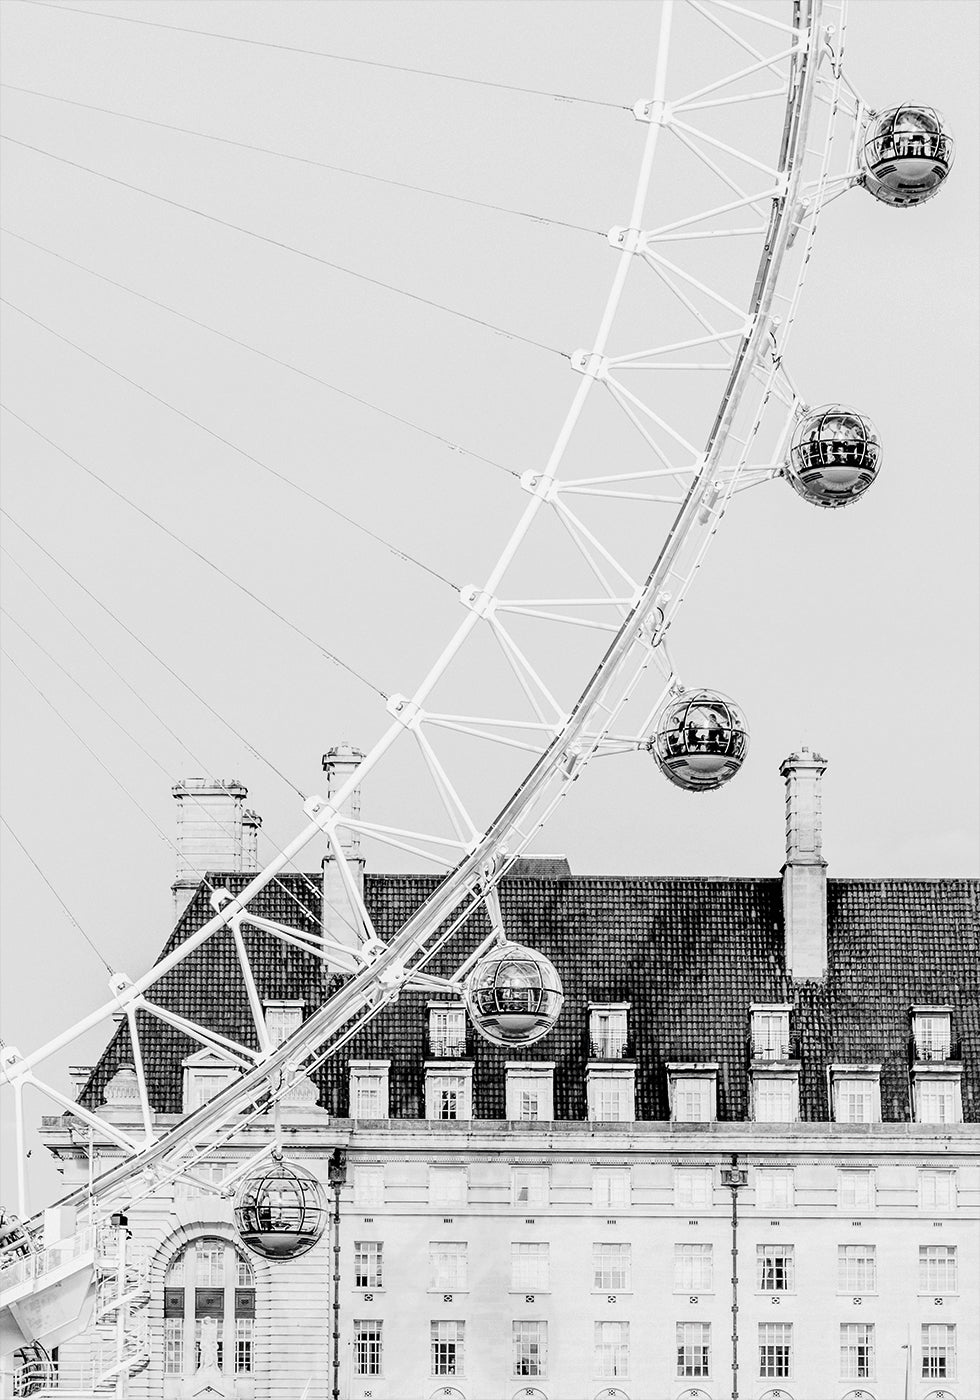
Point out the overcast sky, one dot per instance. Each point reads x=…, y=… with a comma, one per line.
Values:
x=853, y=631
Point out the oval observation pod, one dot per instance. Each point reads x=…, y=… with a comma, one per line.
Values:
x=280, y=1211
x=513, y=995
x=906, y=153
x=834, y=456
x=701, y=740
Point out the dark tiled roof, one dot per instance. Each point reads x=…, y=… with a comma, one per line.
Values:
x=688, y=954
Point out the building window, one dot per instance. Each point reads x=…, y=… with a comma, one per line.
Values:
x=775, y=1350
x=367, y=1264
x=529, y=1266
x=447, y=1263
x=937, y=1100
x=447, y=1032
x=530, y=1341
x=612, y=1349
x=937, y=1189
x=691, y=1092
x=367, y=1348
x=857, y=1351
x=206, y=1073
x=856, y=1098
x=770, y=1032
x=529, y=1187
x=446, y=1340
x=608, y=1032
x=282, y=1018
x=369, y=1088
x=448, y=1095
x=611, y=1268
x=447, y=1187
x=209, y=1310
x=692, y=1187
x=369, y=1187
x=856, y=1190
x=775, y=1098
x=931, y=1031
x=693, y=1348
x=530, y=1092
x=611, y=1188
x=938, y=1351
x=937, y=1268
x=610, y=1094
x=856, y=1268
x=774, y=1268
x=693, y=1268
x=774, y=1187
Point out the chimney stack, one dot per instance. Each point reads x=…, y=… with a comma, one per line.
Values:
x=251, y=821
x=805, y=871
x=338, y=916
x=211, y=832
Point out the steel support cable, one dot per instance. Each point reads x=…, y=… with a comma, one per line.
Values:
x=91, y=943
x=308, y=160
x=182, y=680
x=337, y=57
x=152, y=757
x=290, y=248
x=330, y=656
x=226, y=442
x=263, y=354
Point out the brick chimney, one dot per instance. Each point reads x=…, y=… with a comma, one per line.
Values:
x=805, y=871
x=211, y=832
x=251, y=821
x=338, y=916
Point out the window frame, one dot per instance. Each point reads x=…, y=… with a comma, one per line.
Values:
x=935, y=1174
x=373, y=1360
x=537, y=1200
x=526, y=1076
x=764, y=1038
x=365, y=1070
x=458, y=1342
x=704, y=1175
x=870, y=1374
x=609, y=1175
x=950, y=1358
x=602, y=1268
x=788, y=1081
x=773, y=1175
x=617, y=1352
x=679, y=1075
x=516, y=1271
x=786, y=1328
x=608, y=1029
x=542, y=1345
x=698, y=1368
x=457, y=1201
x=449, y=1077
x=204, y=1266
x=767, y=1269
x=849, y=1286
x=372, y=1251
x=607, y=1078
x=451, y=1283
x=851, y=1174
x=705, y=1255
x=947, y=1287
x=361, y=1172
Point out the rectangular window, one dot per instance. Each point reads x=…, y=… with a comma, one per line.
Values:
x=937, y=1101
x=209, y=1258
x=446, y=1347
x=855, y=1101
x=447, y=1264
x=529, y=1093
x=607, y=1032
x=856, y=1190
x=857, y=1351
x=447, y=1187
x=244, y=1345
x=173, y=1345
x=202, y=1086
x=937, y=1189
x=368, y=1096
x=611, y=1267
x=530, y=1342
x=856, y=1268
x=447, y=1032
x=693, y=1348
x=932, y=1038
x=367, y=1264
x=369, y=1187
x=529, y=1266
x=938, y=1351
x=610, y=1100
x=774, y=1268
x=770, y=1035
x=529, y=1107
x=937, y=1268
x=692, y=1100
x=612, y=1349
x=611, y=1188
x=693, y=1268
x=775, y=1098
x=773, y=1187
x=367, y=1348
x=775, y=1350
x=281, y=1019
x=692, y=1187
x=446, y=1094
x=529, y=1187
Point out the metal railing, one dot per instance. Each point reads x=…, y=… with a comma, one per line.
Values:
x=46, y=1260
x=610, y=1045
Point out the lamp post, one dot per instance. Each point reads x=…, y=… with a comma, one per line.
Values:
x=337, y=1177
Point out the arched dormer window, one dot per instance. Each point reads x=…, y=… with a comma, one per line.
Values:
x=209, y=1311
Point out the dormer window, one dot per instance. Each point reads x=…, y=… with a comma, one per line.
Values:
x=530, y=1091
x=369, y=1088
x=449, y=1092
x=608, y=1030
x=205, y=1074
x=692, y=1093
x=931, y=1032
x=282, y=1018
x=856, y=1093
x=770, y=1032
x=447, y=1031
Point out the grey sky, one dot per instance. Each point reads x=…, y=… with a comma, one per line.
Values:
x=852, y=631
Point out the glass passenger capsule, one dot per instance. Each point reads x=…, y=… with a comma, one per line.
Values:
x=906, y=153
x=701, y=740
x=834, y=456
x=513, y=995
x=280, y=1211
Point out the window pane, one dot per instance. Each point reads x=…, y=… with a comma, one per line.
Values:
x=610, y=1188
x=244, y=1329
x=936, y=1100
x=770, y=1035
x=937, y=1268
x=530, y=1341
x=938, y=1351
x=447, y=1186
x=611, y=1267
x=774, y=1268
x=369, y=1187
x=773, y=1187
x=857, y=1351
x=692, y=1100
x=855, y=1100
x=693, y=1268
x=693, y=1348
x=530, y=1186
x=367, y=1348
x=692, y=1186
x=612, y=1349
x=856, y=1268
x=529, y=1261
x=607, y=1032
x=209, y=1342
x=446, y=1345
x=937, y=1189
x=367, y=1264
x=856, y=1190
x=447, y=1259
x=210, y=1260
x=173, y=1345
x=775, y=1349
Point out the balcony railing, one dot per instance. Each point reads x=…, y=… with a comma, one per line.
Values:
x=610, y=1045
x=44, y=1261
x=934, y=1051
x=448, y=1047
x=774, y=1047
